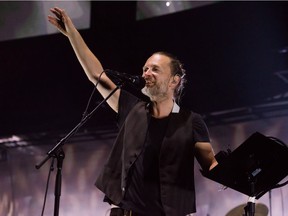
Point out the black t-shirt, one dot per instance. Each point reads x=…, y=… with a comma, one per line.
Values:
x=143, y=188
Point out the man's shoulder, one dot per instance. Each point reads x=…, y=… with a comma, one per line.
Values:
x=190, y=114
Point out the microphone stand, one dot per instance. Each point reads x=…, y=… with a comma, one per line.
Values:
x=58, y=153
x=250, y=207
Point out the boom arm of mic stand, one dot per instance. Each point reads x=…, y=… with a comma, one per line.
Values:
x=57, y=152
x=74, y=130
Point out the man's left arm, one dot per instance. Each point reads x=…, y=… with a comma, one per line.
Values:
x=205, y=155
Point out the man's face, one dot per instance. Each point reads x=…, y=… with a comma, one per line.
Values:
x=157, y=74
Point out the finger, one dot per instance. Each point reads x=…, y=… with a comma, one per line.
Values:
x=61, y=12
x=56, y=13
x=52, y=20
x=57, y=23
x=58, y=9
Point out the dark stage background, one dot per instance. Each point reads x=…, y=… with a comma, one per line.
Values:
x=236, y=57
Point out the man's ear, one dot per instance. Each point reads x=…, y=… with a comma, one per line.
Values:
x=176, y=79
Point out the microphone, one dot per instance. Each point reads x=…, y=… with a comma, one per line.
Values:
x=136, y=81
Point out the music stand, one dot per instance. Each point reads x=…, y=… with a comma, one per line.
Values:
x=253, y=168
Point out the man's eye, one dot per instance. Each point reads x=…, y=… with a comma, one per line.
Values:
x=145, y=69
x=155, y=69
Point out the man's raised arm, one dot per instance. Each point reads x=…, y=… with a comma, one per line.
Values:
x=89, y=62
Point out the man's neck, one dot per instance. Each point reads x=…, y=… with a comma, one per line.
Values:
x=163, y=108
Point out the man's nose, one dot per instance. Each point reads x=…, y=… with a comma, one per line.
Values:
x=146, y=73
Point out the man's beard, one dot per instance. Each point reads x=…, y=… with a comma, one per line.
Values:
x=156, y=92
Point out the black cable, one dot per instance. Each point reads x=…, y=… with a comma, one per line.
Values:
x=47, y=185
x=282, y=201
x=90, y=98
x=84, y=115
